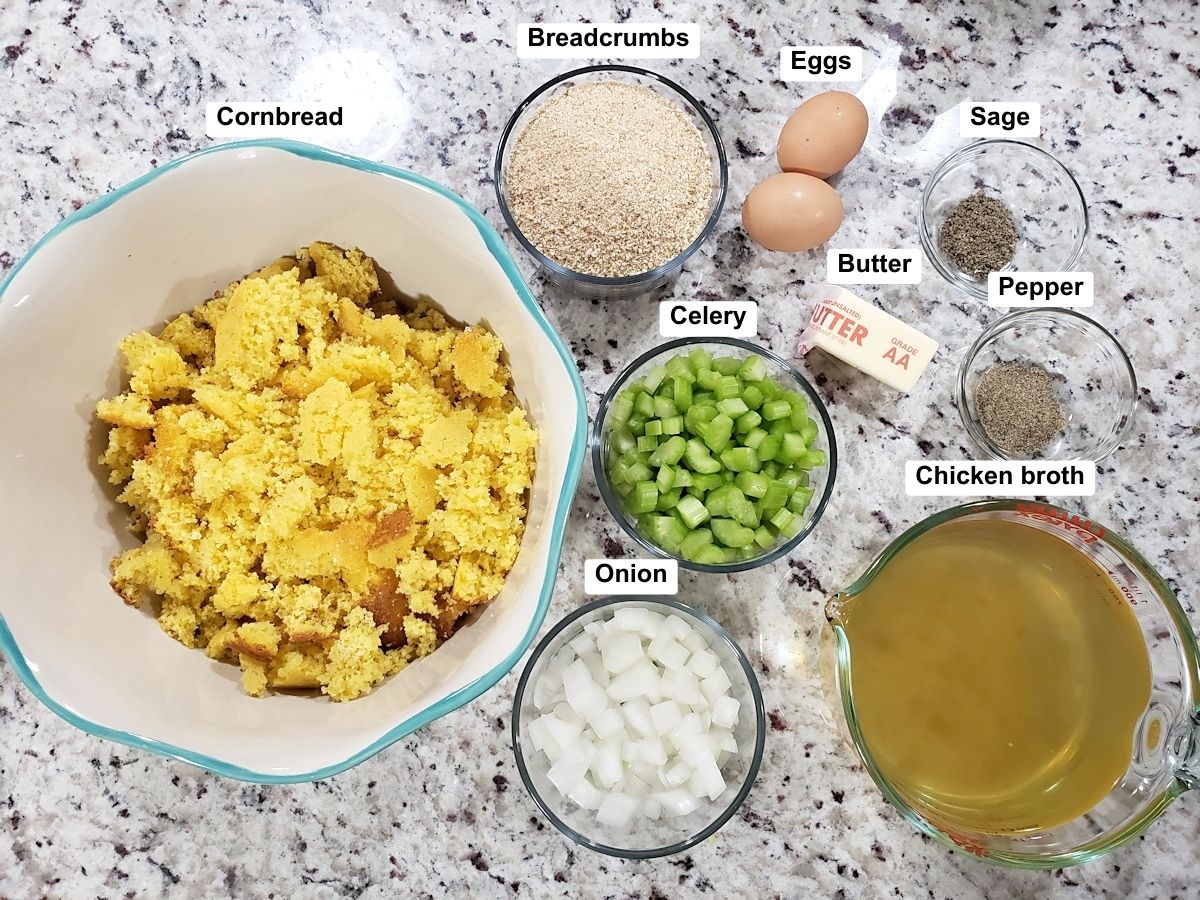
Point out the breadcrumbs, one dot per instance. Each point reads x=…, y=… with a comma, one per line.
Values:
x=326, y=488
x=610, y=179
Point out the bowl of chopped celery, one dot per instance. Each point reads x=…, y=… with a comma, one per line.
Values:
x=715, y=452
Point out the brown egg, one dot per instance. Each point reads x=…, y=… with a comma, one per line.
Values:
x=823, y=135
x=791, y=211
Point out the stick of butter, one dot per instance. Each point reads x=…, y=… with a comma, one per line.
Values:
x=863, y=335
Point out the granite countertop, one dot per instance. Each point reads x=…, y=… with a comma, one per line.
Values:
x=94, y=96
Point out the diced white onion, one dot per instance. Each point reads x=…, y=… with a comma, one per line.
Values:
x=677, y=802
x=636, y=718
x=617, y=809
x=620, y=651
x=703, y=663
x=725, y=712
x=585, y=794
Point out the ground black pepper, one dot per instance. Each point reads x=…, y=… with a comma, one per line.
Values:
x=1017, y=407
x=979, y=235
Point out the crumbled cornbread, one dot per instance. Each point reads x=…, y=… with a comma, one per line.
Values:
x=326, y=486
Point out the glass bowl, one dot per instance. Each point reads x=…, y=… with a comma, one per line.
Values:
x=1046, y=202
x=630, y=285
x=643, y=838
x=1093, y=379
x=778, y=369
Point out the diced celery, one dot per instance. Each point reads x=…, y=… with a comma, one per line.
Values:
x=711, y=456
x=753, y=484
x=638, y=472
x=620, y=409
x=654, y=378
x=747, y=421
x=782, y=518
x=799, y=413
x=812, y=459
x=775, y=496
x=699, y=459
x=733, y=407
x=678, y=366
x=691, y=511
x=621, y=439
x=717, y=500
x=712, y=555
x=717, y=432
x=698, y=416
x=731, y=534
x=681, y=391
x=769, y=447
x=754, y=368
x=799, y=500
x=742, y=510
x=665, y=480
x=666, y=502
x=775, y=409
x=669, y=452
x=667, y=532
x=707, y=482
x=694, y=542
x=740, y=459
x=808, y=431
x=792, y=448
x=727, y=388
x=647, y=442
x=644, y=497
x=727, y=365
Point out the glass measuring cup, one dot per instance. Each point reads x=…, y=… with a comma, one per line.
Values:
x=1166, y=754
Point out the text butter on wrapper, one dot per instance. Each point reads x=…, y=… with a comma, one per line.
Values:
x=864, y=336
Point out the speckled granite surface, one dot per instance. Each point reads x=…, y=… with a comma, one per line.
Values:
x=93, y=95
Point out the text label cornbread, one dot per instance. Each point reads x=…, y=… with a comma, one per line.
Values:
x=327, y=484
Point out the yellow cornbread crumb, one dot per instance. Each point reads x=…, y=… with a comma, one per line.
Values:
x=326, y=486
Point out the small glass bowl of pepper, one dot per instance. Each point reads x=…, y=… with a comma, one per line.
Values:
x=715, y=452
x=1092, y=382
x=1045, y=201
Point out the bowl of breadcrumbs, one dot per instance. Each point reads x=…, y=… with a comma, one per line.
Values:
x=611, y=177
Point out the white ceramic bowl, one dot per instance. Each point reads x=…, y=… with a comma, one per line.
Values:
x=146, y=252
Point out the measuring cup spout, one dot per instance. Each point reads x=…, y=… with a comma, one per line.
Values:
x=835, y=608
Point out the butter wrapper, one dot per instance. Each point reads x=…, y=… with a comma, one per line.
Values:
x=865, y=337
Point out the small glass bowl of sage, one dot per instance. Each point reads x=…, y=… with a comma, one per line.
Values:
x=1046, y=383
x=1001, y=205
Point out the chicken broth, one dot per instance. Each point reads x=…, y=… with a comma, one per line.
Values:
x=997, y=676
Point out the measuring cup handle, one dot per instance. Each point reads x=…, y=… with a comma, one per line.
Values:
x=1187, y=751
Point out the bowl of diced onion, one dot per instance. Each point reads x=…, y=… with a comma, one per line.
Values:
x=716, y=452
x=638, y=726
